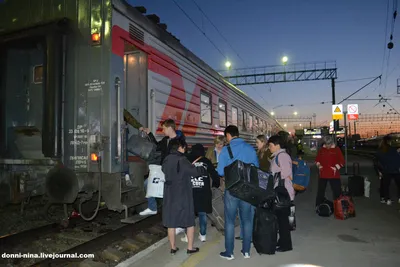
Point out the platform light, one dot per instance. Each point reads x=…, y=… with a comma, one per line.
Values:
x=272, y=113
x=285, y=125
x=228, y=64
x=295, y=113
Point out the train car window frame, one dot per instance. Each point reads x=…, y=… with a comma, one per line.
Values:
x=244, y=121
x=205, y=107
x=37, y=74
x=222, y=110
x=236, y=120
x=251, y=124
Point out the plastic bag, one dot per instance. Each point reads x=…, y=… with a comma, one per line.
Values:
x=367, y=187
x=141, y=146
x=155, y=184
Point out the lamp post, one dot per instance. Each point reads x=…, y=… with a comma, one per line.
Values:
x=284, y=62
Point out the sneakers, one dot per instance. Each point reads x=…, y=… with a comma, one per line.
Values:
x=202, y=238
x=148, y=212
x=389, y=202
x=184, y=239
x=179, y=231
x=245, y=255
x=226, y=256
x=383, y=201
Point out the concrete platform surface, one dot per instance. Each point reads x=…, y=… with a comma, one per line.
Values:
x=371, y=239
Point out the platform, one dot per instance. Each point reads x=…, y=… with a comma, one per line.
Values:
x=370, y=239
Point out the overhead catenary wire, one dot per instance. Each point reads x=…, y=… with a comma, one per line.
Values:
x=226, y=41
x=379, y=77
x=198, y=27
x=385, y=40
x=356, y=79
x=394, y=10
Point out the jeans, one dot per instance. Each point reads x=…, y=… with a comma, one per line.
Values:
x=203, y=222
x=231, y=206
x=151, y=201
x=253, y=210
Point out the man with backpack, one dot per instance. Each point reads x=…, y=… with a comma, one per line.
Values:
x=237, y=149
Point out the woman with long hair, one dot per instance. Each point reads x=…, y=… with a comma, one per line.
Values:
x=388, y=163
x=263, y=153
x=214, y=151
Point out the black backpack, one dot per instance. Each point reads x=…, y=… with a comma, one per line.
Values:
x=325, y=209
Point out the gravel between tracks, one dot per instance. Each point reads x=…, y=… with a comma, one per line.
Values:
x=87, y=237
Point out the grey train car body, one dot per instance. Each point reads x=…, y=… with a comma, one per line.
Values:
x=69, y=68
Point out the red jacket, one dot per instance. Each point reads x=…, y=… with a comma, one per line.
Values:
x=330, y=158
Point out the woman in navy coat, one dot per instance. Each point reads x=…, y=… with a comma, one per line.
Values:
x=178, y=207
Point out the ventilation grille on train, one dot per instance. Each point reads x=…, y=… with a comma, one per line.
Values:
x=136, y=34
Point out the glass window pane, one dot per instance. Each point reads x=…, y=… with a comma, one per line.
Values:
x=205, y=108
x=234, y=116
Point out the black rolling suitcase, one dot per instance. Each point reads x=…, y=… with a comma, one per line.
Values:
x=265, y=231
x=356, y=182
x=248, y=183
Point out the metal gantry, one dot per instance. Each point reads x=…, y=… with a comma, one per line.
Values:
x=297, y=72
x=290, y=119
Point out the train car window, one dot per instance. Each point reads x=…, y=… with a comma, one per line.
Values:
x=257, y=125
x=38, y=74
x=222, y=113
x=244, y=124
x=205, y=107
x=250, y=123
x=234, y=116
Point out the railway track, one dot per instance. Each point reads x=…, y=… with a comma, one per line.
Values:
x=106, y=238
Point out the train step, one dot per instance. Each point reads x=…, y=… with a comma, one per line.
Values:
x=134, y=219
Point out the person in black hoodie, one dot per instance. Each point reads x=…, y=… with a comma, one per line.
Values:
x=163, y=146
x=178, y=207
x=201, y=185
x=388, y=164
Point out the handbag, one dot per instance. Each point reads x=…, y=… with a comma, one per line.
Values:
x=141, y=146
x=242, y=180
x=282, y=197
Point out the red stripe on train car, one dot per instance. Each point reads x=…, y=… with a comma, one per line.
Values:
x=159, y=63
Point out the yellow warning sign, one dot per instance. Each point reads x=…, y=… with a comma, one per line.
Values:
x=337, y=116
x=337, y=110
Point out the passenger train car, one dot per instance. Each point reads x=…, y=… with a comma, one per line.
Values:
x=69, y=68
x=374, y=142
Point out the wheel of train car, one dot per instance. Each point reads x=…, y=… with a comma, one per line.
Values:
x=61, y=185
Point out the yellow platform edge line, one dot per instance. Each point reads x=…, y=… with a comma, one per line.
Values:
x=195, y=259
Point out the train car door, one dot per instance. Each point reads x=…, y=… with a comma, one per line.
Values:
x=136, y=87
x=23, y=94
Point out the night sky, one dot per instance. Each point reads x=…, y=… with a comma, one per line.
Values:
x=350, y=32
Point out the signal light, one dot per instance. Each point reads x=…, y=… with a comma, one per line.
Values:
x=96, y=38
x=93, y=157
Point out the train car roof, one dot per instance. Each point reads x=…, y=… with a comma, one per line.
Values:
x=125, y=8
